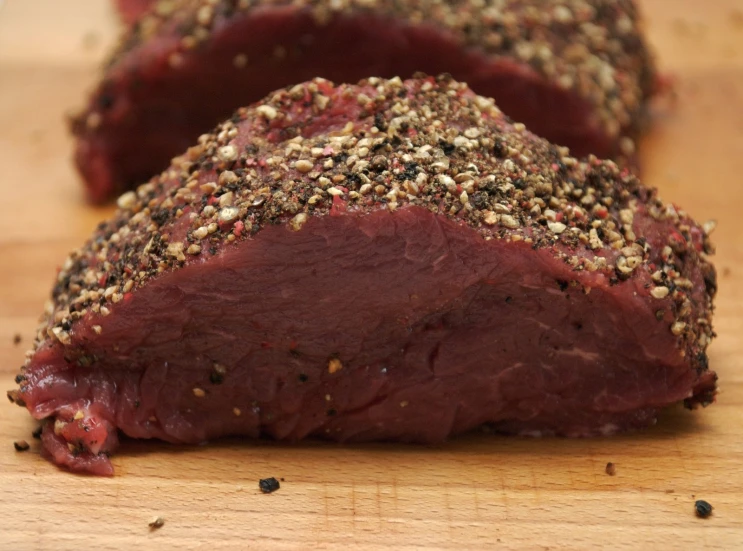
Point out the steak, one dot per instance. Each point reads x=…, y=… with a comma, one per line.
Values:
x=384, y=261
x=576, y=72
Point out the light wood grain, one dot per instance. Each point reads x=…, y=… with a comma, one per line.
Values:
x=476, y=492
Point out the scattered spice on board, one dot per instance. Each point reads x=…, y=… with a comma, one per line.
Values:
x=17, y=339
x=268, y=485
x=37, y=433
x=156, y=522
x=611, y=469
x=21, y=445
x=702, y=508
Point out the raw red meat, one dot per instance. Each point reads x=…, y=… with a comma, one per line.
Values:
x=388, y=261
x=576, y=72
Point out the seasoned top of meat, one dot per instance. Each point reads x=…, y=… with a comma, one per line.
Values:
x=593, y=47
x=316, y=149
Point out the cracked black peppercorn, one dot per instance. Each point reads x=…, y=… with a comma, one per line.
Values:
x=702, y=508
x=268, y=485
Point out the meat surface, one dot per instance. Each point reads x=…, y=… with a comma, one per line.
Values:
x=576, y=72
x=131, y=10
x=383, y=261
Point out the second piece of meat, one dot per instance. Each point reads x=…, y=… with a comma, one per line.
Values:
x=575, y=72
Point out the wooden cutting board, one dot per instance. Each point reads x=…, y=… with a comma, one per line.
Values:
x=481, y=491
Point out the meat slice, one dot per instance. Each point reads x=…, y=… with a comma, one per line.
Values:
x=575, y=72
x=385, y=261
x=131, y=10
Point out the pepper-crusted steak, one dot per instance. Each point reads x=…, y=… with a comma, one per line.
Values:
x=574, y=71
x=387, y=261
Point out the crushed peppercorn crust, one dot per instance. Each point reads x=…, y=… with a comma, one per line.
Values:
x=316, y=149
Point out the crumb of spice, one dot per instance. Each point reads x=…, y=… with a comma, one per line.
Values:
x=21, y=445
x=268, y=485
x=17, y=339
x=611, y=469
x=702, y=508
x=334, y=365
x=156, y=522
x=90, y=41
x=37, y=432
